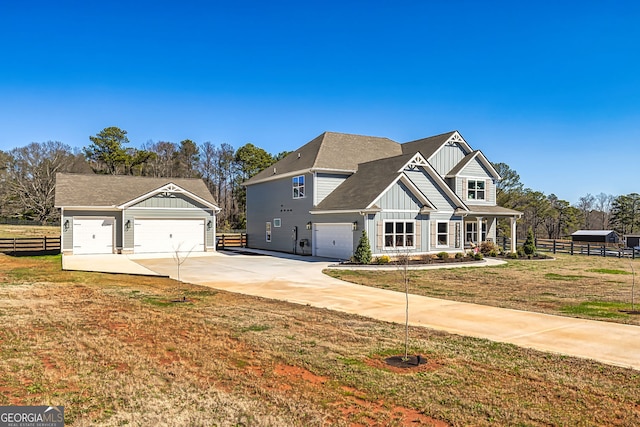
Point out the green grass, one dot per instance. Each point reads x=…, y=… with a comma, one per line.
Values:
x=603, y=309
x=554, y=276
x=608, y=271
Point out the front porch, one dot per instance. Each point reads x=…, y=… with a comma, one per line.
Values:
x=481, y=225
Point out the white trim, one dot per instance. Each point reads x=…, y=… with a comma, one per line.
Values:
x=315, y=188
x=267, y=232
x=278, y=176
x=303, y=186
x=340, y=211
x=277, y=222
x=142, y=208
x=416, y=211
x=455, y=138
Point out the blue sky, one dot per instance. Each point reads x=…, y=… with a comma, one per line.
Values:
x=546, y=87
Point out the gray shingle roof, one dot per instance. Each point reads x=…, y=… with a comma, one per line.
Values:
x=426, y=146
x=362, y=188
x=332, y=151
x=113, y=190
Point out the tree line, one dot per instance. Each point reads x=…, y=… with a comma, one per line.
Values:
x=553, y=218
x=27, y=174
x=27, y=182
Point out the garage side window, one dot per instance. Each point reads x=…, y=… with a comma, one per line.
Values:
x=298, y=187
x=268, y=231
x=399, y=234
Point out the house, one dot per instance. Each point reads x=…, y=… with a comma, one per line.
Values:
x=431, y=195
x=106, y=214
x=595, y=236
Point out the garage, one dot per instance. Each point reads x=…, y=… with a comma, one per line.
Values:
x=92, y=236
x=168, y=235
x=333, y=240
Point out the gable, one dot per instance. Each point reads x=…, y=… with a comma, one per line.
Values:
x=169, y=201
x=430, y=188
x=475, y=169
x=447, y=157
x=399, y=197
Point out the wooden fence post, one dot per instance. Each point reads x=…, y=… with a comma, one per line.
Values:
x=572, y=247
x=554, y=246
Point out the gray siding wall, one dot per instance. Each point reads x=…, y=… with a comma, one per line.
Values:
x=475, y=170
x=67, y=236
x=446, y=158
x=399, y=197
x=159, y=213
x=430, y=189
x=325, y=183
x=274, y=199
x=173, y=201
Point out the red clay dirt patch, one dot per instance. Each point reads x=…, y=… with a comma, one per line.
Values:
x=379, y=363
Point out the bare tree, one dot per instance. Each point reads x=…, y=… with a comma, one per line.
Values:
x=585, y=204
x=32, y=175
x=603, y=205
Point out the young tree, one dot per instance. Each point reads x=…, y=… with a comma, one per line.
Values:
x=529, y=246
x=362, y=254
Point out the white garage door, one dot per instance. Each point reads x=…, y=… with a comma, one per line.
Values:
x=92, y=236
x=168, y=235
x=333, y=240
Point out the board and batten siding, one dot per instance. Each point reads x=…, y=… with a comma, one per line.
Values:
x=69, y=214
x=325, y=183
x=399, y=197
x=171, y=201
x=476, y=170
x=269, y=200
x=447, y=158
x=432, y=191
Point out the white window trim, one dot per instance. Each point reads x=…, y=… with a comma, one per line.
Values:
x=394, y=221
x=438, y=245
x=303, y=186
x=484, y=190
x=267, y=233
x=475, y=232
x=277, y=222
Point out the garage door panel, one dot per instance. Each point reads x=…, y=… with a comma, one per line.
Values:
x=334, y=240
x=166, y=235
x=92, y=236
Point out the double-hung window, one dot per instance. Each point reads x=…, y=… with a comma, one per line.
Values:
x=298, y=187
x=476, y=189
x=442, y=232
x=268, y=232
x=399, y=234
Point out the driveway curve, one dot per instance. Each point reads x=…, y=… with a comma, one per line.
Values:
x=300, y=280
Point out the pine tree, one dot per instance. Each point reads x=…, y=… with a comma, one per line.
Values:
x=529, y=246
x=363, y=251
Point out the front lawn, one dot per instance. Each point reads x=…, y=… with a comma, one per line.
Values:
x=567, y=285
x=141, y=351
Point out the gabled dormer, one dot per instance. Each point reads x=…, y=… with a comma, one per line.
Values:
x=474, y=179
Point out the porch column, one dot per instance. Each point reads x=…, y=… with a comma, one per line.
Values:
x=479, y=229
x=513, y=234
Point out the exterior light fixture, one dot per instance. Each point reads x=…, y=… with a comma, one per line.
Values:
x=209, y=225
x=66, y=225
x=309, y=225
x=355, y=225
x=127, y=225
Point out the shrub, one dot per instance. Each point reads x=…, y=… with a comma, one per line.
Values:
x=459, y=255
x=442, y=255
x=492, y=253
x=520, y=252
x=478, y=256
x=529, y=246
x=488, y=247
x=384, y=259
x=363, y=251
x=513, y=255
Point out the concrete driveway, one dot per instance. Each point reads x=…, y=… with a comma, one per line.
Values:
x=300, y=280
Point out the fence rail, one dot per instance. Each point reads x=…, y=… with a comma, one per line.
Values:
x=16, y=245
x=584, y=248
x=231, y=240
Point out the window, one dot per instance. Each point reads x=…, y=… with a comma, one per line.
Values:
x=471, y=232
x=277, y=222
x=475, y=189
x=443, y=234
x=268, y=232
x=399, y=234
x=298, y=187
